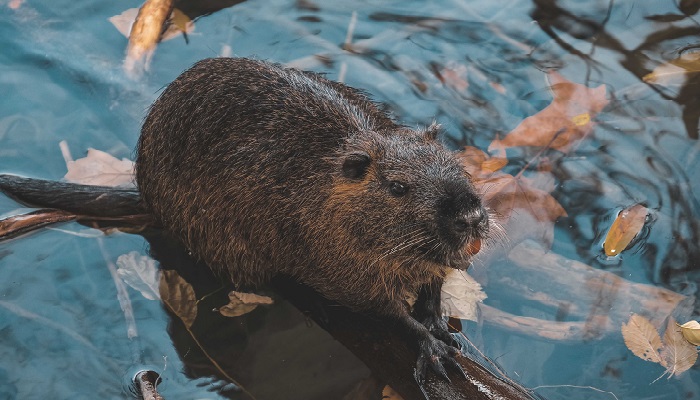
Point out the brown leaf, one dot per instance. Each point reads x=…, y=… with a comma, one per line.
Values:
x=242, y=303
x=178, y=296
x=642, y=338
x=627, y=225
x=179, y=23
x=523, y=209
x=678, y=355
x=563, y=122
x=497, y=160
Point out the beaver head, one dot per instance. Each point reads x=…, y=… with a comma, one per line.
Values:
x=405, y=196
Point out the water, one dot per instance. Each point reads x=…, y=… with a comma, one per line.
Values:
x=62, y=331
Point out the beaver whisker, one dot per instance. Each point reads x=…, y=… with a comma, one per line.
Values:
x=412, y=242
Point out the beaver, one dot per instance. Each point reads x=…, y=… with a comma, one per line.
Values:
x=263, y=170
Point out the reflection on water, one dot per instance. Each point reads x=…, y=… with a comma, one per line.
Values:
x=478, y=68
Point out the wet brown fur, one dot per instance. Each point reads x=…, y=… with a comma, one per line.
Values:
x=243, y=161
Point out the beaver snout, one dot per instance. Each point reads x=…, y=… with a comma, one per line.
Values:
x=464, y=223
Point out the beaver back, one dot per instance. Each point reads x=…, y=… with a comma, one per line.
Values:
x=260, y=169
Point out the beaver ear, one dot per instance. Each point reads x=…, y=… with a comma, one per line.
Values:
x=355, y=164
x=433, y=131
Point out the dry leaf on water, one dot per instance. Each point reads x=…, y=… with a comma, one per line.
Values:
x=141, y=273
x=627, y=225
x=460, y=295
x=522, y=206
x=242, y=303
x=677, y=355
x=178, y=296
x=675, y=72
x=642, y=338
x=100, y=168
x=563, y=122
x=691, y=332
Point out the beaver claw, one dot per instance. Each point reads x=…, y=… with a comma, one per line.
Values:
x=436, y=355
x=438, y=327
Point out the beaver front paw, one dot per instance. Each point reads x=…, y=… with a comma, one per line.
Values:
x=436, y=355
x=438, y=327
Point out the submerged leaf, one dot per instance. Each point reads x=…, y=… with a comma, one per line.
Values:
x=455, y=77
x=563, y=122
x=691, y=332
x=642, y=338
x=242, y=303
x=523, y=208
x=141, y=273
x=178, y=296
x=678, y=355
x=460, y=295
x=627, y=225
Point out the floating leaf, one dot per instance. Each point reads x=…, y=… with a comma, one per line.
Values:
x=100, y=168
x=642, y=338
x=460, y=295
x=563, y=122
x=675, y=72
x=141, y=273
x=178, y=296
x=627, y=225
x=677, y=355
x=242, y=303
x=179, y=23
x=691, y=332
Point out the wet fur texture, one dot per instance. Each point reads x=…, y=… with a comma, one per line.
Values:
x=263, y=170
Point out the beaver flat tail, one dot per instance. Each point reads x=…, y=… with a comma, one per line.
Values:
x=98, y=201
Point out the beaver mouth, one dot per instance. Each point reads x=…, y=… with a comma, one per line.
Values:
x=459, y=259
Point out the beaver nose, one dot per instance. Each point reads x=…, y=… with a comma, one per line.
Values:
x=463, y=222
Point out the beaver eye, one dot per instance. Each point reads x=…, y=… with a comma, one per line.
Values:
x=398, y=189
